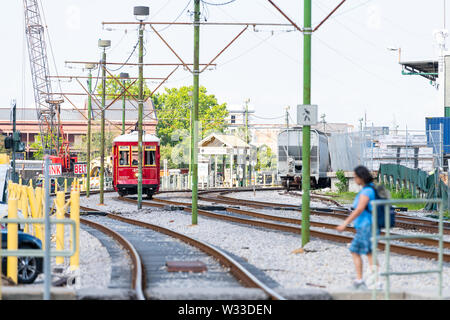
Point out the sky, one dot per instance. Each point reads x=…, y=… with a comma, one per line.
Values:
x=354, y=75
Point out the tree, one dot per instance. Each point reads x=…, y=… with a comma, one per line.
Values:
x=96, y=143
x=173, y=109
x=37, y=144
x=266, y=159
x=113, y=89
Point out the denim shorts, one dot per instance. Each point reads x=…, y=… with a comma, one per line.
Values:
x=362, y=243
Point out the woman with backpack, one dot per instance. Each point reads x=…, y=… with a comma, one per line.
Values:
x=362, y=217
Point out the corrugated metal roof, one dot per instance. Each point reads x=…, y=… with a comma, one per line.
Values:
x=113, y=113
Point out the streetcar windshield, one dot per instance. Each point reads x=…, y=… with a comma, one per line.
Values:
x=124, y=156
x=149, y=156
x=134, y=156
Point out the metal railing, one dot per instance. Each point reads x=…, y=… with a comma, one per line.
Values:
x=388, y=238
x=40, y=252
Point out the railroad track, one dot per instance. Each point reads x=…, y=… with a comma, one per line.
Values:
x=405, y=250
x=143, y=264
x=402, y=220
x=137, y=275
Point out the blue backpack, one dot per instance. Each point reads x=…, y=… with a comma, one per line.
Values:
x=382, y=194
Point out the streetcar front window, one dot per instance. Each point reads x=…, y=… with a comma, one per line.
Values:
x=134, y=156
x=124, y=156
x=150, y=156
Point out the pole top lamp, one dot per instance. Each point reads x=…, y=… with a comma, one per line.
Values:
x=104, y=44
x=90, y=66
x=141, y=13
x=124, y=75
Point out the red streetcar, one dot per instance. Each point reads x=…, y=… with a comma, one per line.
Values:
x=125, y=164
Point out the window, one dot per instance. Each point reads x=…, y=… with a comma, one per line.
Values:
x=233, y=119
x=124, y=156
x=150, y=156
x=134, y=156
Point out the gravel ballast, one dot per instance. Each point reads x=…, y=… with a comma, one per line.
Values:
x=324, y=264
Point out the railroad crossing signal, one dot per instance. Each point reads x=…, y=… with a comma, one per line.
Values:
x=13, y=142
x=307, y=114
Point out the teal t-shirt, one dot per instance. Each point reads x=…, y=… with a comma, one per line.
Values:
x=366, y=216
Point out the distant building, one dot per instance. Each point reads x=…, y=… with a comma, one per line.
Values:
x=74, y=122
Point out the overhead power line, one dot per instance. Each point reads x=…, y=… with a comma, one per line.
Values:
x=218, y=4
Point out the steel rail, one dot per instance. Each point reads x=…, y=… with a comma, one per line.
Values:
x=138, y=275
x=236, y=269
x=402, y=220
x=428, y=242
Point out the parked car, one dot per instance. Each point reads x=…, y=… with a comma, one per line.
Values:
x=28, y=267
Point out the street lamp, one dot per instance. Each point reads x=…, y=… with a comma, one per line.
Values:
x=123, y=76
x=103, y=44
x=396, y=49
x=141, y=14
x=90, y=67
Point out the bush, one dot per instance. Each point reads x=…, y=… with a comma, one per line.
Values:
x=342, y=184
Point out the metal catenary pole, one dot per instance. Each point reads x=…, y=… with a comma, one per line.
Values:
x=102, y=146
x=47, y=261
x=13, y=154
x=245, y=176
x=306, y=129
x=88, y=153
x=123, y=108
x=140, y=111
x=195, y=94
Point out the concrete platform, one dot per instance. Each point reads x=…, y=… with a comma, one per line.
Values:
x=304, y=294
x=23, y=293
x=105, y=294
x=228, y=293
x=402, y=294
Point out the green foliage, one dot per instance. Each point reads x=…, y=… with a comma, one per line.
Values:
x=344, y=197
x=173, y=108
x=37, y=145
x=266, y=159
x=342, y=184
x=113, y=88
x=404, y=193
x=96, y=138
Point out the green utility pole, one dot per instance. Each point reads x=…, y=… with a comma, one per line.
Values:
x=140, y=111
x=123, y=109
x=191, y=132
x=123, y=76
x=306, y=178
x=102, y=148
x=14, y=137
x=287, y=118
x=88, y=155
x=196, y=72
x=246, y=141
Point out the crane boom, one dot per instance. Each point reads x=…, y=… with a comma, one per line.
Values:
x=37, y=51
x=47, y=103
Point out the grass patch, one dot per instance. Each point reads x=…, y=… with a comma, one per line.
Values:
x=342, y=197
x=406, y=194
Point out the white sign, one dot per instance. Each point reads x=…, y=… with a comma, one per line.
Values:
x=203, y=169
x=80, y=168
x=307, y=114
x=54, y=170
x=213, y=150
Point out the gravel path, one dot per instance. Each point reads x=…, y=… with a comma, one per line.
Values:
x=324, y=264
x=95, y=263
x=274, y=196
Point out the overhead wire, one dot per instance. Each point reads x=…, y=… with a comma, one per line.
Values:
x=217, y=4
